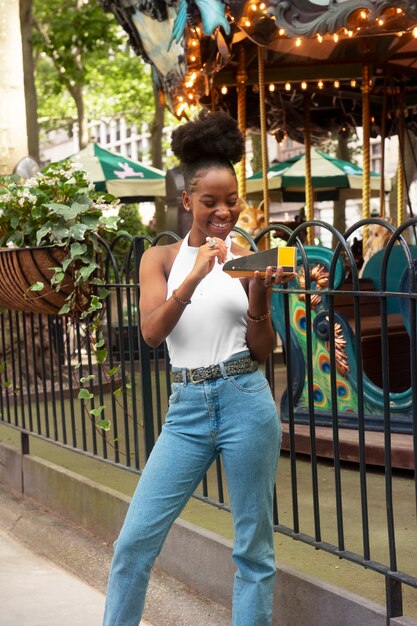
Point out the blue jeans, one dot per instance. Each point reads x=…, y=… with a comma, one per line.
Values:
x=235, y=416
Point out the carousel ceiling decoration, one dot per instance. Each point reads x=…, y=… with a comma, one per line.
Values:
x=193, y=47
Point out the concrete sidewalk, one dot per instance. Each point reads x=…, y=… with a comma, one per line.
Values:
x=53, y=573
x=36, y=592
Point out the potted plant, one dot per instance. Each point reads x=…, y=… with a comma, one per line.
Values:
x=50, y=240
x=51, y=229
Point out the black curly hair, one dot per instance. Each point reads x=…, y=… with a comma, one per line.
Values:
x=210, y=140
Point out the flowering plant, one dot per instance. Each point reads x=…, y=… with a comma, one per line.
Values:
x=59, y=207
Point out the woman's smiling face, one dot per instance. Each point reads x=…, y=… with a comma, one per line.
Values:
x=214, y=203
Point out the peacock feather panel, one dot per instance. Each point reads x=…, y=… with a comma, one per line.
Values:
x=351, y=395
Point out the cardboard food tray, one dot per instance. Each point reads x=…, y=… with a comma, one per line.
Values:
x=245, y=266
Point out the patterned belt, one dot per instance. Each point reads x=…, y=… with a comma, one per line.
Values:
x=245, y=365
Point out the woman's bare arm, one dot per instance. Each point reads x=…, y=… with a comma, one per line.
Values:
x=159, y=316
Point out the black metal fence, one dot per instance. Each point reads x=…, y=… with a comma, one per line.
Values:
x=349, y=347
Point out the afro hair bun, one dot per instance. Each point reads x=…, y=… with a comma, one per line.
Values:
x=208, y=135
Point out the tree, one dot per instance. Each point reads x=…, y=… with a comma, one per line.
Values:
x=83, y=53
x=26, y=27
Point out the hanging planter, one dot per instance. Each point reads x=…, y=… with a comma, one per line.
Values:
x=21, y=268
x=52, y=226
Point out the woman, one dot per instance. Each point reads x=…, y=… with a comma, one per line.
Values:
x=217, y=329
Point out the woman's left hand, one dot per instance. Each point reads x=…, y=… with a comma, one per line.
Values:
x=273, y=276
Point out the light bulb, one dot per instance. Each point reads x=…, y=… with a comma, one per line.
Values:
x=298, y=42
x=353, y=83
x=320, y=84
x=271, y=87
x=336, y=84
x=281, y=31
x=304, y=85
x=335, y=37
x=415, y=32
x=319, y=38
x=224, y=90
x=287, y=86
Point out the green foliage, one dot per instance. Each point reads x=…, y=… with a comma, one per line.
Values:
x=83, y=52
x=59, y=207
x=130, y=222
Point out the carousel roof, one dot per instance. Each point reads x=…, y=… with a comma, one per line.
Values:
x=310, y=46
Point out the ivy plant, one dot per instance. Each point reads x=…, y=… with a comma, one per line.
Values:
x=59, y=207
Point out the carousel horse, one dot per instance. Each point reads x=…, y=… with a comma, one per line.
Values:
x=378, y=237
x=251, y=220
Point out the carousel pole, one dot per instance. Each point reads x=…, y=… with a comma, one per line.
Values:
x=366, y=127
x=309, y=206
x=400, y=168
x=383, y=138
x=264, y=146
x=241, y=78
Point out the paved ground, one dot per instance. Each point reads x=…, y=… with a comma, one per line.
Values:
x=36, y=590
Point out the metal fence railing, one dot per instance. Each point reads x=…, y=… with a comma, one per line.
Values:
x=349, y=346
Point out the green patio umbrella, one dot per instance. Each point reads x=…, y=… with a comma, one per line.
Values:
x=125, y=178
x=332, y=178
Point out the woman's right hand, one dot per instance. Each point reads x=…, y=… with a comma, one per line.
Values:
x=213, y=249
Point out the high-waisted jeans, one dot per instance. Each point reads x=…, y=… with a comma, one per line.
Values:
x=235, y=416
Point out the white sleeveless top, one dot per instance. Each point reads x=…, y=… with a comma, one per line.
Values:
x=213, y=327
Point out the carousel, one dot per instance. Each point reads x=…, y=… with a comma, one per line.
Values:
x=310, y=70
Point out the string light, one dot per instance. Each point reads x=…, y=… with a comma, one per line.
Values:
x=255, y=6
